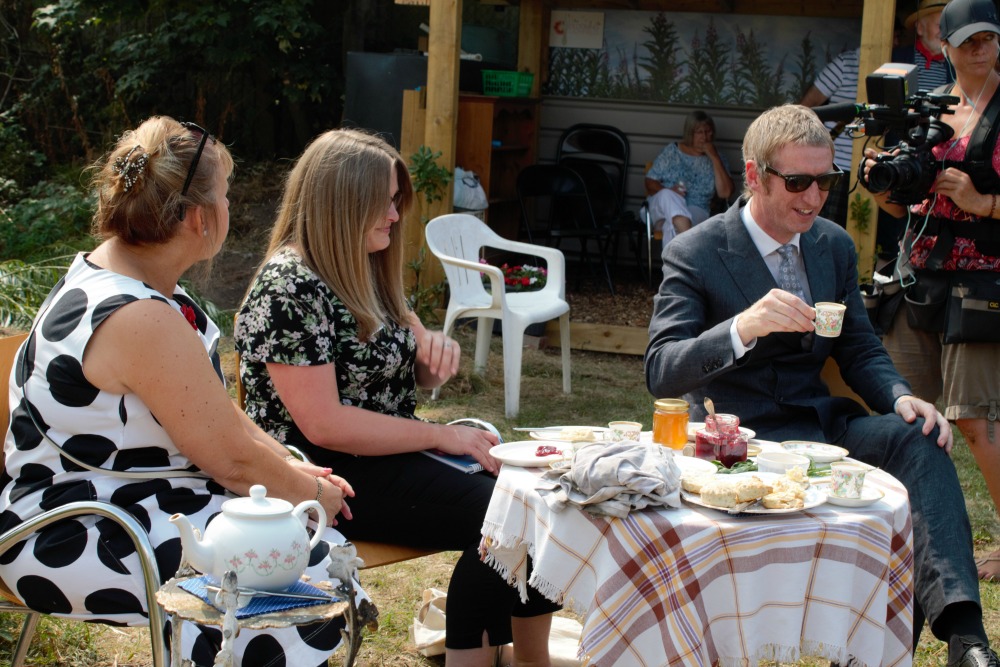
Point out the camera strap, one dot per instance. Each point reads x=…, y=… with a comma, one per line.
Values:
x=978, y=162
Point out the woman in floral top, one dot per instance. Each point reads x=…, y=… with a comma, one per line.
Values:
x=331, y=357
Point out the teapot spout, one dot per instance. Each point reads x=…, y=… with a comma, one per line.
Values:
x=195, y=549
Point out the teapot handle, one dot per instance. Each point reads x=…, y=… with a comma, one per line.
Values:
x=313, y=505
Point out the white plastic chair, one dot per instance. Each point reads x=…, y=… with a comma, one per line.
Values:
x=457, y=240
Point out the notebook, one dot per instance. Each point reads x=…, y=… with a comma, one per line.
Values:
x=463, y=462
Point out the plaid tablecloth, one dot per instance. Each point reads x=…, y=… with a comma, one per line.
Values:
x=695, y=586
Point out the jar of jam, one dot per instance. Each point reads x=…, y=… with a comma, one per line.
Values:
x=670, y=422
x=721, y=440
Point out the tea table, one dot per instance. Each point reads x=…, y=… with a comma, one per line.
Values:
x=697, y=586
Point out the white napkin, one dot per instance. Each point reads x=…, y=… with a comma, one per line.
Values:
x=613, y=478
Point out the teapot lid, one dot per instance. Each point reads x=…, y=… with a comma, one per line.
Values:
x=258, y=504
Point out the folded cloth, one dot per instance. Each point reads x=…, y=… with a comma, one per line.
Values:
x=613, y=479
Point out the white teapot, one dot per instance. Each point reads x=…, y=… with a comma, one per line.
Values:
x=263, y=540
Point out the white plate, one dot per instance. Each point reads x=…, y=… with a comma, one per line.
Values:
x=869, y=495
x=817, y=451
x=690, y=465
x=553, y=433
x=814, y=496
x=522, y=453
x=694, y=427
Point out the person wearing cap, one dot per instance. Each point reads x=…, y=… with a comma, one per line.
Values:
x=956, y=229
x=925, y=52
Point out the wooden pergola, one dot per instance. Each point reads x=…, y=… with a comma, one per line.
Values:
x=440, y=121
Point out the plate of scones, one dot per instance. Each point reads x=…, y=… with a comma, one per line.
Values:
x=752, y=492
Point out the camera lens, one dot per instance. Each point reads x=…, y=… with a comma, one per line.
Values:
x=894, y=173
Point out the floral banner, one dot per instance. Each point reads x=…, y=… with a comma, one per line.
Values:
x=702, y=59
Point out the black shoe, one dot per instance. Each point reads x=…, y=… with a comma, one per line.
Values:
x=977, y=655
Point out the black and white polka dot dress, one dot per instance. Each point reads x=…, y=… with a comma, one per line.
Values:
x=86, y=568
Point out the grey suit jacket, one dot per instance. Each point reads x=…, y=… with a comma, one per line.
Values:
x=714, y=272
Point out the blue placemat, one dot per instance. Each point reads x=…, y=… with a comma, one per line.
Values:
x=259, y=604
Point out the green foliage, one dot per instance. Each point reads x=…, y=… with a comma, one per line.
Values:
x=24, y=286
x=705, y=82
x=577, y=72
x=423, y=299
x=662, y=64
x=50, y=213
x=20, y=164
x=429, y=178
x=807, y=70
x=754, y=82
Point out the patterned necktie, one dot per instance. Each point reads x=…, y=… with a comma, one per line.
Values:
x=788, y=279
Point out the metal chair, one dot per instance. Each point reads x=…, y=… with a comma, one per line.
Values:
x=140, y=539
x=603, y=145
x=556, y=205
x=458, y=240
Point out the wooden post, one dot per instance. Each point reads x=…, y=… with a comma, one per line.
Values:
x=532, y=41
x=862, y=210
x=442, y=102
x=411, y=139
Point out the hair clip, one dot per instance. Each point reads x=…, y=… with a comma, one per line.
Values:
x=130, y=170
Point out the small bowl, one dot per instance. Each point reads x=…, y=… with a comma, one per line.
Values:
x=781, y=462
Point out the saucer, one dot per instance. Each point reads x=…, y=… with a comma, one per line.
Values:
x=869, y=495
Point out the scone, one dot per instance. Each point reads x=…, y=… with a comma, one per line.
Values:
x=797, y=475
x=577, y=434
x=786, y=485
x=782, y=500
x=694, y=483
x=719, y=493
x=751, y=488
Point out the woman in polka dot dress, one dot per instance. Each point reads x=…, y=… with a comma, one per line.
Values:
x=121, y=371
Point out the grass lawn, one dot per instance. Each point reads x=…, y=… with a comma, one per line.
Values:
x=605, y=387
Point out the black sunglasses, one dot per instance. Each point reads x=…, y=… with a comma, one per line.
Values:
x=801, y=182
x=205, y=136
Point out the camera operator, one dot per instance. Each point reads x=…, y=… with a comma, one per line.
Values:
x=954, y=235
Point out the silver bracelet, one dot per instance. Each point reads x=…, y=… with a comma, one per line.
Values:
x=291, y=457
x=319, y=489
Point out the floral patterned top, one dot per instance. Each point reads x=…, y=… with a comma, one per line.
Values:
x=673, y=165
x=292, y=317
x=964, y=256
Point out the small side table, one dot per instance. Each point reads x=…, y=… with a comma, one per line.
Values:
x=185, y=606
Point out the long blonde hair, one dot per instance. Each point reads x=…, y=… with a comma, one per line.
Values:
x=336, y=193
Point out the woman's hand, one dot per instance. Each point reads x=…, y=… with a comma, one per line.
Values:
x=957, y=186
x=437, y=355
x=332, y=500
x=473, y=441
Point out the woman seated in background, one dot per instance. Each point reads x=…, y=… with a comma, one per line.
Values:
x=330, y=357
x=121, y=370
x=685, y=177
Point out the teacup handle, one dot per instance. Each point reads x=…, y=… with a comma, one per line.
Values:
x=313, y=505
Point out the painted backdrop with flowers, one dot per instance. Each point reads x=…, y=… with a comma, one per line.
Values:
x=702, y=59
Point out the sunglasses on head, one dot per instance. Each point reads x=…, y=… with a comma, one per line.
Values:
x=205, y=136
x=801, y=182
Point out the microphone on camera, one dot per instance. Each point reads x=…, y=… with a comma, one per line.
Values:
x=842, y=112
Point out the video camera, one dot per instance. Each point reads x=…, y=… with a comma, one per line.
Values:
x=913, y=121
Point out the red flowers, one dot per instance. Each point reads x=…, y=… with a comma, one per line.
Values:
x=521, y=277
x=190, y=315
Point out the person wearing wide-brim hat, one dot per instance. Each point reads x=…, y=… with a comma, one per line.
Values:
x=925, y=52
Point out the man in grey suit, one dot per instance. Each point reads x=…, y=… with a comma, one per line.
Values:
x=723, y=328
